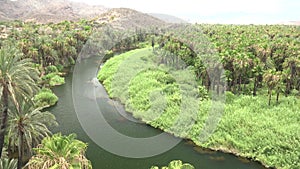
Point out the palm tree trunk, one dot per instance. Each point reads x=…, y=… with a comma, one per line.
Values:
x=254, y=86
x=270, y=96
x=240, y=84
x=218, y=86
x=277, y=97
x=20, y=149
x=4, y=117
x=207, y=82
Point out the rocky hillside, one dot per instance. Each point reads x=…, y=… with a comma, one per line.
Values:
x=128, y=18
x=47, y=10
x=168, y=18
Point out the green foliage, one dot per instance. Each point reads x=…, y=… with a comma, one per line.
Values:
x=153, y=97
x=252, y=129
x=150, y=93
x=59, y=67
x=230, y=97
x=87, y=28
x=31, y=47
x=107, y=72
x=60, y=151
x=45, y=98
x=246, y=52
x=27, y=126
x=176, y=164
x=56, y=80
x=53, y=79
x=109, y=54
x=6, y=163
x=17, y=81
x=249, y=127
x=51, y=69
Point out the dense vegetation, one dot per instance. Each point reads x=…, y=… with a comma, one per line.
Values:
x=259, y=61
x=253, y=57
x=32, y=59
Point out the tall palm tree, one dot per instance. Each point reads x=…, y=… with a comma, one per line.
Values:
x=292, y=67
x=60, y=152
x=27, y=126
x=17, y=80
x=272, y=80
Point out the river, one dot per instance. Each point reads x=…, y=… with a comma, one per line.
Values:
x=102, y=159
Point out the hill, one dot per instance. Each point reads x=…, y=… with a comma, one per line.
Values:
x=291, y=23
x=128, y=18
x=43, y=11
x=168, y=18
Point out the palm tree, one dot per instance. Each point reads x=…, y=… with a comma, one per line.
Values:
x=27, y=126
x=17, y=80
x=60, y=152
x=272, y=79
x=257, y=70
x=6, y=163
x=292, y=66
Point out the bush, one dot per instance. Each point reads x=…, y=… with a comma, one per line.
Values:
x=109, y=54
x=56, y=80
x=53, y=79
x=51, y=69
x=60, y=67
x=176, y=164
x=45, y=98
x=229, y=97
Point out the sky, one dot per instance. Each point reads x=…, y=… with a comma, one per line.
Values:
x=215, y=11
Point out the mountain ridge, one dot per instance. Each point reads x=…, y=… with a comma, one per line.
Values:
x=43, y=11
x=167, y=18
x=125, y=18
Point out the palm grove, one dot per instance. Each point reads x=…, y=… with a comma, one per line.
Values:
x=259, y=61
x=32, y=58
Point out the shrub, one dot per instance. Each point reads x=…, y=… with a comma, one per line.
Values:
x=45, y=98
x=176, y=164
x=53, y=79
x=56, y=80
x=51, y=69
x=59, y=67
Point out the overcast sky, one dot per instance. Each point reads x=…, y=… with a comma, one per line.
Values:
x=215, y=11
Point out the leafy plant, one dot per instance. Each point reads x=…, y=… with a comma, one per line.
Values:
x=53, y=79
x=176, y=164
x=6, y=163
x=45, y=98
x=60, y=152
